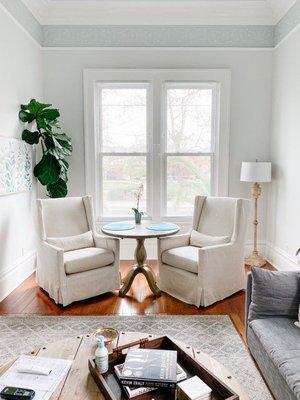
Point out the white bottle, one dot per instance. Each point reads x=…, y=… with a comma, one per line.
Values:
x=101, y=356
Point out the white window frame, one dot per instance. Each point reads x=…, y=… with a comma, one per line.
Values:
x=156, y=78
x=147, y=154
x=165, y=154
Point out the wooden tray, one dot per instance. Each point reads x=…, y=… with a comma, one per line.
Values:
x=111, y=389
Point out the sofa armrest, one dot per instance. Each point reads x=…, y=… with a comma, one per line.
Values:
x=171, y=242
x=248, y=297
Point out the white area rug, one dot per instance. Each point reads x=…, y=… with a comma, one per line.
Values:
x=214, y=335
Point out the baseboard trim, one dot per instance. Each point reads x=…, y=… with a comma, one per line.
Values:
x=17, y=274
x=280, y=259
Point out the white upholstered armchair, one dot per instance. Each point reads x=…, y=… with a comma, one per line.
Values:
x=207, y=264
x=74, y=261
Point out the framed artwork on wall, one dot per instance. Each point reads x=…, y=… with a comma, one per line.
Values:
x=15, y=166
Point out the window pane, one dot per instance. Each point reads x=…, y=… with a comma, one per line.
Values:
x=189, y=116
x=187, y=176
x=124, y=119
x=121, y=178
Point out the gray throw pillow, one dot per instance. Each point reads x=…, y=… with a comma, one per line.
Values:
x=274, y=294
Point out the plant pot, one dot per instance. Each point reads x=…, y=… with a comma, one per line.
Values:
x=138, y=217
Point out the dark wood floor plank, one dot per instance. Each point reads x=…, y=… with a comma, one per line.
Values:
x=28, y=298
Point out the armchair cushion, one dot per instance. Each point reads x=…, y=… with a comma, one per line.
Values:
x=86, y=259
x=200, y=240
x=274, y=294
x=73, y=242
x=185, y=257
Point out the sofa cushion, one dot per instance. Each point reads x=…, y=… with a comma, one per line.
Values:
x=281, y=341
x=274, y=294
x=73, y=242
x=278, y=385
x=86, y=259
x=200, y=240
x=185, y=257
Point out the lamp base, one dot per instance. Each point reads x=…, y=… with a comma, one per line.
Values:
x=255, y=260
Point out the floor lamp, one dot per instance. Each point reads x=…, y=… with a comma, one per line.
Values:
x=255, y=172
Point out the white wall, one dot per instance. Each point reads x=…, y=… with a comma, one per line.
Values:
x=284, y=199
x=250, y=99
x=21, y=79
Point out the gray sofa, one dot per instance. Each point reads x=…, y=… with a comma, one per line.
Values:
x=274, y=341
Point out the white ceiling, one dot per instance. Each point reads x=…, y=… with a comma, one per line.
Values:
x=159, y=12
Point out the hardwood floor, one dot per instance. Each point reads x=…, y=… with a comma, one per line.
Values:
x=28, y=298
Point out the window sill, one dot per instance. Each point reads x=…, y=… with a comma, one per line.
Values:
x=185, y=220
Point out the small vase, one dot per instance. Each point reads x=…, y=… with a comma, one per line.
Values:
x=138, y=217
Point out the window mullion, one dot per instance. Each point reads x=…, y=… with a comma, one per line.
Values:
x=99, y=187
x=157, y=148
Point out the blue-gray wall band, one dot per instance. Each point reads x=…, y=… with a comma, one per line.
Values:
x=158, y=36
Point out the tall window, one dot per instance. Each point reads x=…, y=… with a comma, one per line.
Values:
x=189, y=145
x=123, y=146
x=165, y=129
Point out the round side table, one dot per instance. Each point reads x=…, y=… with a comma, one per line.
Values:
x=140, y=233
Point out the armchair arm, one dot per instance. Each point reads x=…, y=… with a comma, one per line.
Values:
x=106, y=242
x=216, y=261
x=220, y=271
x=53, y=254
x=51, y=261
x=170, y=242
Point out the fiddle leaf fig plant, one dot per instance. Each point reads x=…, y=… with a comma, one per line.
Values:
x=56, y=145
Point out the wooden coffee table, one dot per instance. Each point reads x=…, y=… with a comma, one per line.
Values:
x=79, y=384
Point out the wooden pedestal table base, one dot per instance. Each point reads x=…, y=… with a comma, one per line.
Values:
x=140, y=233
x=140, y=267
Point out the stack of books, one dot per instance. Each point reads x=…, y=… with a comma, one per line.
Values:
x=146, y=370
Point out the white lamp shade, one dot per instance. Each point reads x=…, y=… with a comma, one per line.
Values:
x=256, y=172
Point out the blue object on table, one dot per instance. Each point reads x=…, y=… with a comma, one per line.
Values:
x=163, y=226
x=119, y=226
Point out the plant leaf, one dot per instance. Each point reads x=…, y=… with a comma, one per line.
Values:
x=30, y=137
x=50, y=114
x=63, y=143
x=33, y=107
x=42, y=124
x=47, y=170
x=57, y=189
x=26, y=116
x=64, y=164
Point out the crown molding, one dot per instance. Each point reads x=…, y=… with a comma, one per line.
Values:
x=158, y=12
x=31, y=15
x=38, y=8
x=280, y=8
